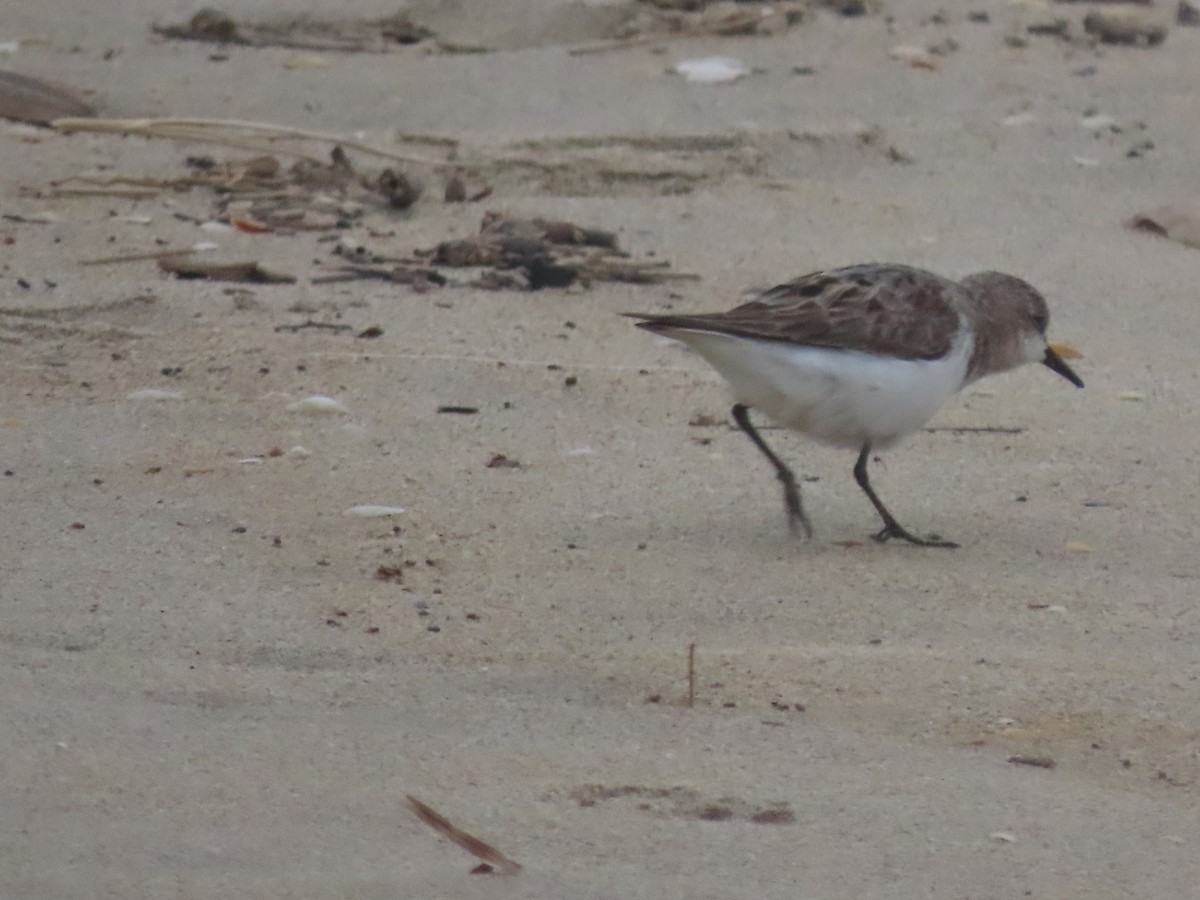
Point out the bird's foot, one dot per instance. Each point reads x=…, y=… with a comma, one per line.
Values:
x=893, y=529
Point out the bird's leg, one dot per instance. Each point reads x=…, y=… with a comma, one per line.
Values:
x=791, y=492
x=891, y=528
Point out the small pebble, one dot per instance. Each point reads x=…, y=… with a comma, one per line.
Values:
x=1099, y=122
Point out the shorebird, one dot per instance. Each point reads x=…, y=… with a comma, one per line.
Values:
x=861, y=356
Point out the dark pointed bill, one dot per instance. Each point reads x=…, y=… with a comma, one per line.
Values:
x=1055, y=363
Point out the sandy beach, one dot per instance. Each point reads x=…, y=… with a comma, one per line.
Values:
x=215, y=684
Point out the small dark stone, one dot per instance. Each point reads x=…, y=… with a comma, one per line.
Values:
x=456, y=191
x=781, y=816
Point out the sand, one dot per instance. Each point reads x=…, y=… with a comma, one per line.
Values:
x=207, y=691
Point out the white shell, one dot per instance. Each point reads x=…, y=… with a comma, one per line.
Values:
x=372, y=512
x=712, y=70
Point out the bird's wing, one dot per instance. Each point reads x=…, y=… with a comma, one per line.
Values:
x=886, y=310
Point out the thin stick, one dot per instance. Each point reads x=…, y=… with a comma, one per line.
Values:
x=638, y=40
x=735, y=24
x=132, y=257
x=122, y=193
x=976, y=429
x=195, y=130
x=691, y=675
x=468, y=842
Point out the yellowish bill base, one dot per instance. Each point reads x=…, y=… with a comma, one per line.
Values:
x=1066, y=351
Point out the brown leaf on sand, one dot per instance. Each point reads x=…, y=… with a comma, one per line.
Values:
x=1179, y=222
x=468, y=842
x=25, y=99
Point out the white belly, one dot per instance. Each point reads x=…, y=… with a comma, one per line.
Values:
x=842, y=397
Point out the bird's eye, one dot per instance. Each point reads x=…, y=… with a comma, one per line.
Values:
x=1040, y=321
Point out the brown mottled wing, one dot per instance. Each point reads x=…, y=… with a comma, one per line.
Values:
x=885, y=309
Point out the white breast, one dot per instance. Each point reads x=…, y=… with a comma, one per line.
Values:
x=842, y=397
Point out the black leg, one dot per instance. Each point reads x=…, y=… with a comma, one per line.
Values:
x=791, y=493
x=891, y=528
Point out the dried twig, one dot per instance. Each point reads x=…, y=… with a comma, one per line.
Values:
x=209, y=131
x=133, y=257
x=116, y=192
x=470, y=843
x=691, y=675
x=630, y=272
x=1040, y=762
x=316, y=326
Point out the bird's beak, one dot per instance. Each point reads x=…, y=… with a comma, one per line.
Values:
x=1055, y=363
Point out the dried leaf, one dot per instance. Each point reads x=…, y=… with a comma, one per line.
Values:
x=468, y=842
x=249, y=226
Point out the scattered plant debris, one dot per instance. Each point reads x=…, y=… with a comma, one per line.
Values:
x=299, y=33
